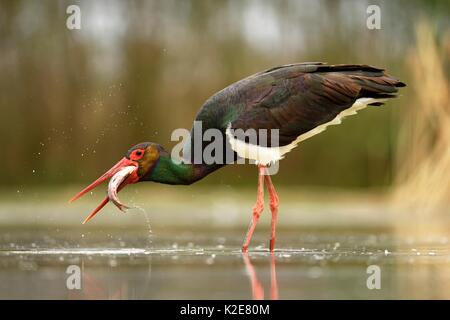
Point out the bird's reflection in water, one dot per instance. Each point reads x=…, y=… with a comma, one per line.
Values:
x=96, y=290
x=98, y=284
x=257, y=288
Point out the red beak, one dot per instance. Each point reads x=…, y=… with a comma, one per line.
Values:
x=132, y=178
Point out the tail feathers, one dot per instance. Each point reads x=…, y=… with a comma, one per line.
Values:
x=371, y=81
x=378, y=87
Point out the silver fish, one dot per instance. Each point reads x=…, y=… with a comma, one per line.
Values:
x=115, y=183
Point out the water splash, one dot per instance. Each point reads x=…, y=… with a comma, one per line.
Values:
x=147, y=221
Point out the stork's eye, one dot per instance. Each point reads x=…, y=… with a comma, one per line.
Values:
x=136, y=155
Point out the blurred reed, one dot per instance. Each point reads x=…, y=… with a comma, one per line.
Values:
x=422, y=183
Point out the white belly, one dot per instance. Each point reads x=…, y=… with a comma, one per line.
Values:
x=269, y=155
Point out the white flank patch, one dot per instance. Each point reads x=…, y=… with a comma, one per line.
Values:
x=268, y=155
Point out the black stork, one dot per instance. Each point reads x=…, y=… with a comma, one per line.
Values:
x=298, y=100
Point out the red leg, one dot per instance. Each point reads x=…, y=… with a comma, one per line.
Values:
x=257, y=209
x=274, y=201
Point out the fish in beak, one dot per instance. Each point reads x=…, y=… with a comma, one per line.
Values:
x=123, y=173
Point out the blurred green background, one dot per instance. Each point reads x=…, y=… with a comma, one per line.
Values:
x=73, y=101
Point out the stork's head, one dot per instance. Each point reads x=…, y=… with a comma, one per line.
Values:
x=136, y=166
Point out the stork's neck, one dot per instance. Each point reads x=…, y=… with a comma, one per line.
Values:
x=169, y=171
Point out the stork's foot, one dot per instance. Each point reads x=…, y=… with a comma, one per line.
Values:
x=274, y=201
x=257, y=209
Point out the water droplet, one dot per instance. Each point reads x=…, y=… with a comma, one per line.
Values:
x=112, y=262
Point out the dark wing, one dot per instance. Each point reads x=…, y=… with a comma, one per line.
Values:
x=295, y=98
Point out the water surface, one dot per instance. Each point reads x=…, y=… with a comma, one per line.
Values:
x=123, y=263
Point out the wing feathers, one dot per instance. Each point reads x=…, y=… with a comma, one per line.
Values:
x=296, y=98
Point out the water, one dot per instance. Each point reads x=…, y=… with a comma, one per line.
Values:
x=121, y=263
x=147, y=221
